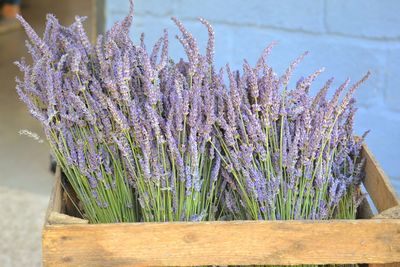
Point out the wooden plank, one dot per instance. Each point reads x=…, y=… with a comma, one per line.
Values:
x=395, y=264
x=377, y=183
x=392, y=213
x=223, y=243
x=55, y=202
x=59, y=218
x=70, y=200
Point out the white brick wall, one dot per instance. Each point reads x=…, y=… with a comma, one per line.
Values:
x=346, y=37
x=376, y=19
x=260, y=13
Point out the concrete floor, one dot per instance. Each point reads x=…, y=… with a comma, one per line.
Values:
x=25, y=179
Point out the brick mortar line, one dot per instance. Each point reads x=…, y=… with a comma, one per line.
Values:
x=326, y=31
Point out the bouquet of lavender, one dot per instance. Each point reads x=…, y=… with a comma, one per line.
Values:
x=131, y=130
x=288, y=155
x=143, y=138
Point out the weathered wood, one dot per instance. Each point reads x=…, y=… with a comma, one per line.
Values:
x=70, y=199
x=59, y=218
x=377, y=183
x=55, y=202
x=392, y=213
x=222, y=243
x=395, y=264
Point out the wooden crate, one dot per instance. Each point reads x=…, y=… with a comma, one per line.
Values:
x=69, y=241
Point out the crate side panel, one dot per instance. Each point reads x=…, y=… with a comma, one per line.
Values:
x=55, y=202
x=223, y=243
x=377, y=183
x=394, y=264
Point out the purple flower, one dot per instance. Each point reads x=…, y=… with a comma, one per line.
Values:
x=155, y=139
x=36, y=41
x=118, y=116
x=211, y=41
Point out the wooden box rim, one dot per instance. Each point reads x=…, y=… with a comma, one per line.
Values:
x=70, y=241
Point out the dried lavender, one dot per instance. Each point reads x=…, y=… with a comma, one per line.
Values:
x=143, y=138
x=294, y=156
x=130, y=129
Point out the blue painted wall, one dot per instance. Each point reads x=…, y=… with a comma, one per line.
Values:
x=346, y=37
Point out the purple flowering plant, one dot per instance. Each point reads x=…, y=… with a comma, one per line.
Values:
x=143, y=138
x=288, y=155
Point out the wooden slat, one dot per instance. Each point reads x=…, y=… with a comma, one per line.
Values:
x=223, y=243
x=59, y=218
x=377, y=183
x=395, y=264
x=392, y=213
x=55, y=202
x=69, y=198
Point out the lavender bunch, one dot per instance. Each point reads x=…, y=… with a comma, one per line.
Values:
x=131, y=129
x=288, y=155
x=143, y=138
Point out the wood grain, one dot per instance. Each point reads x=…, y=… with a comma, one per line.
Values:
x=377, y=183
x=392, y=213
x=70, y=199
x=55, y=202
x=395, y=264
x=222, y=243
x=59, y=218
